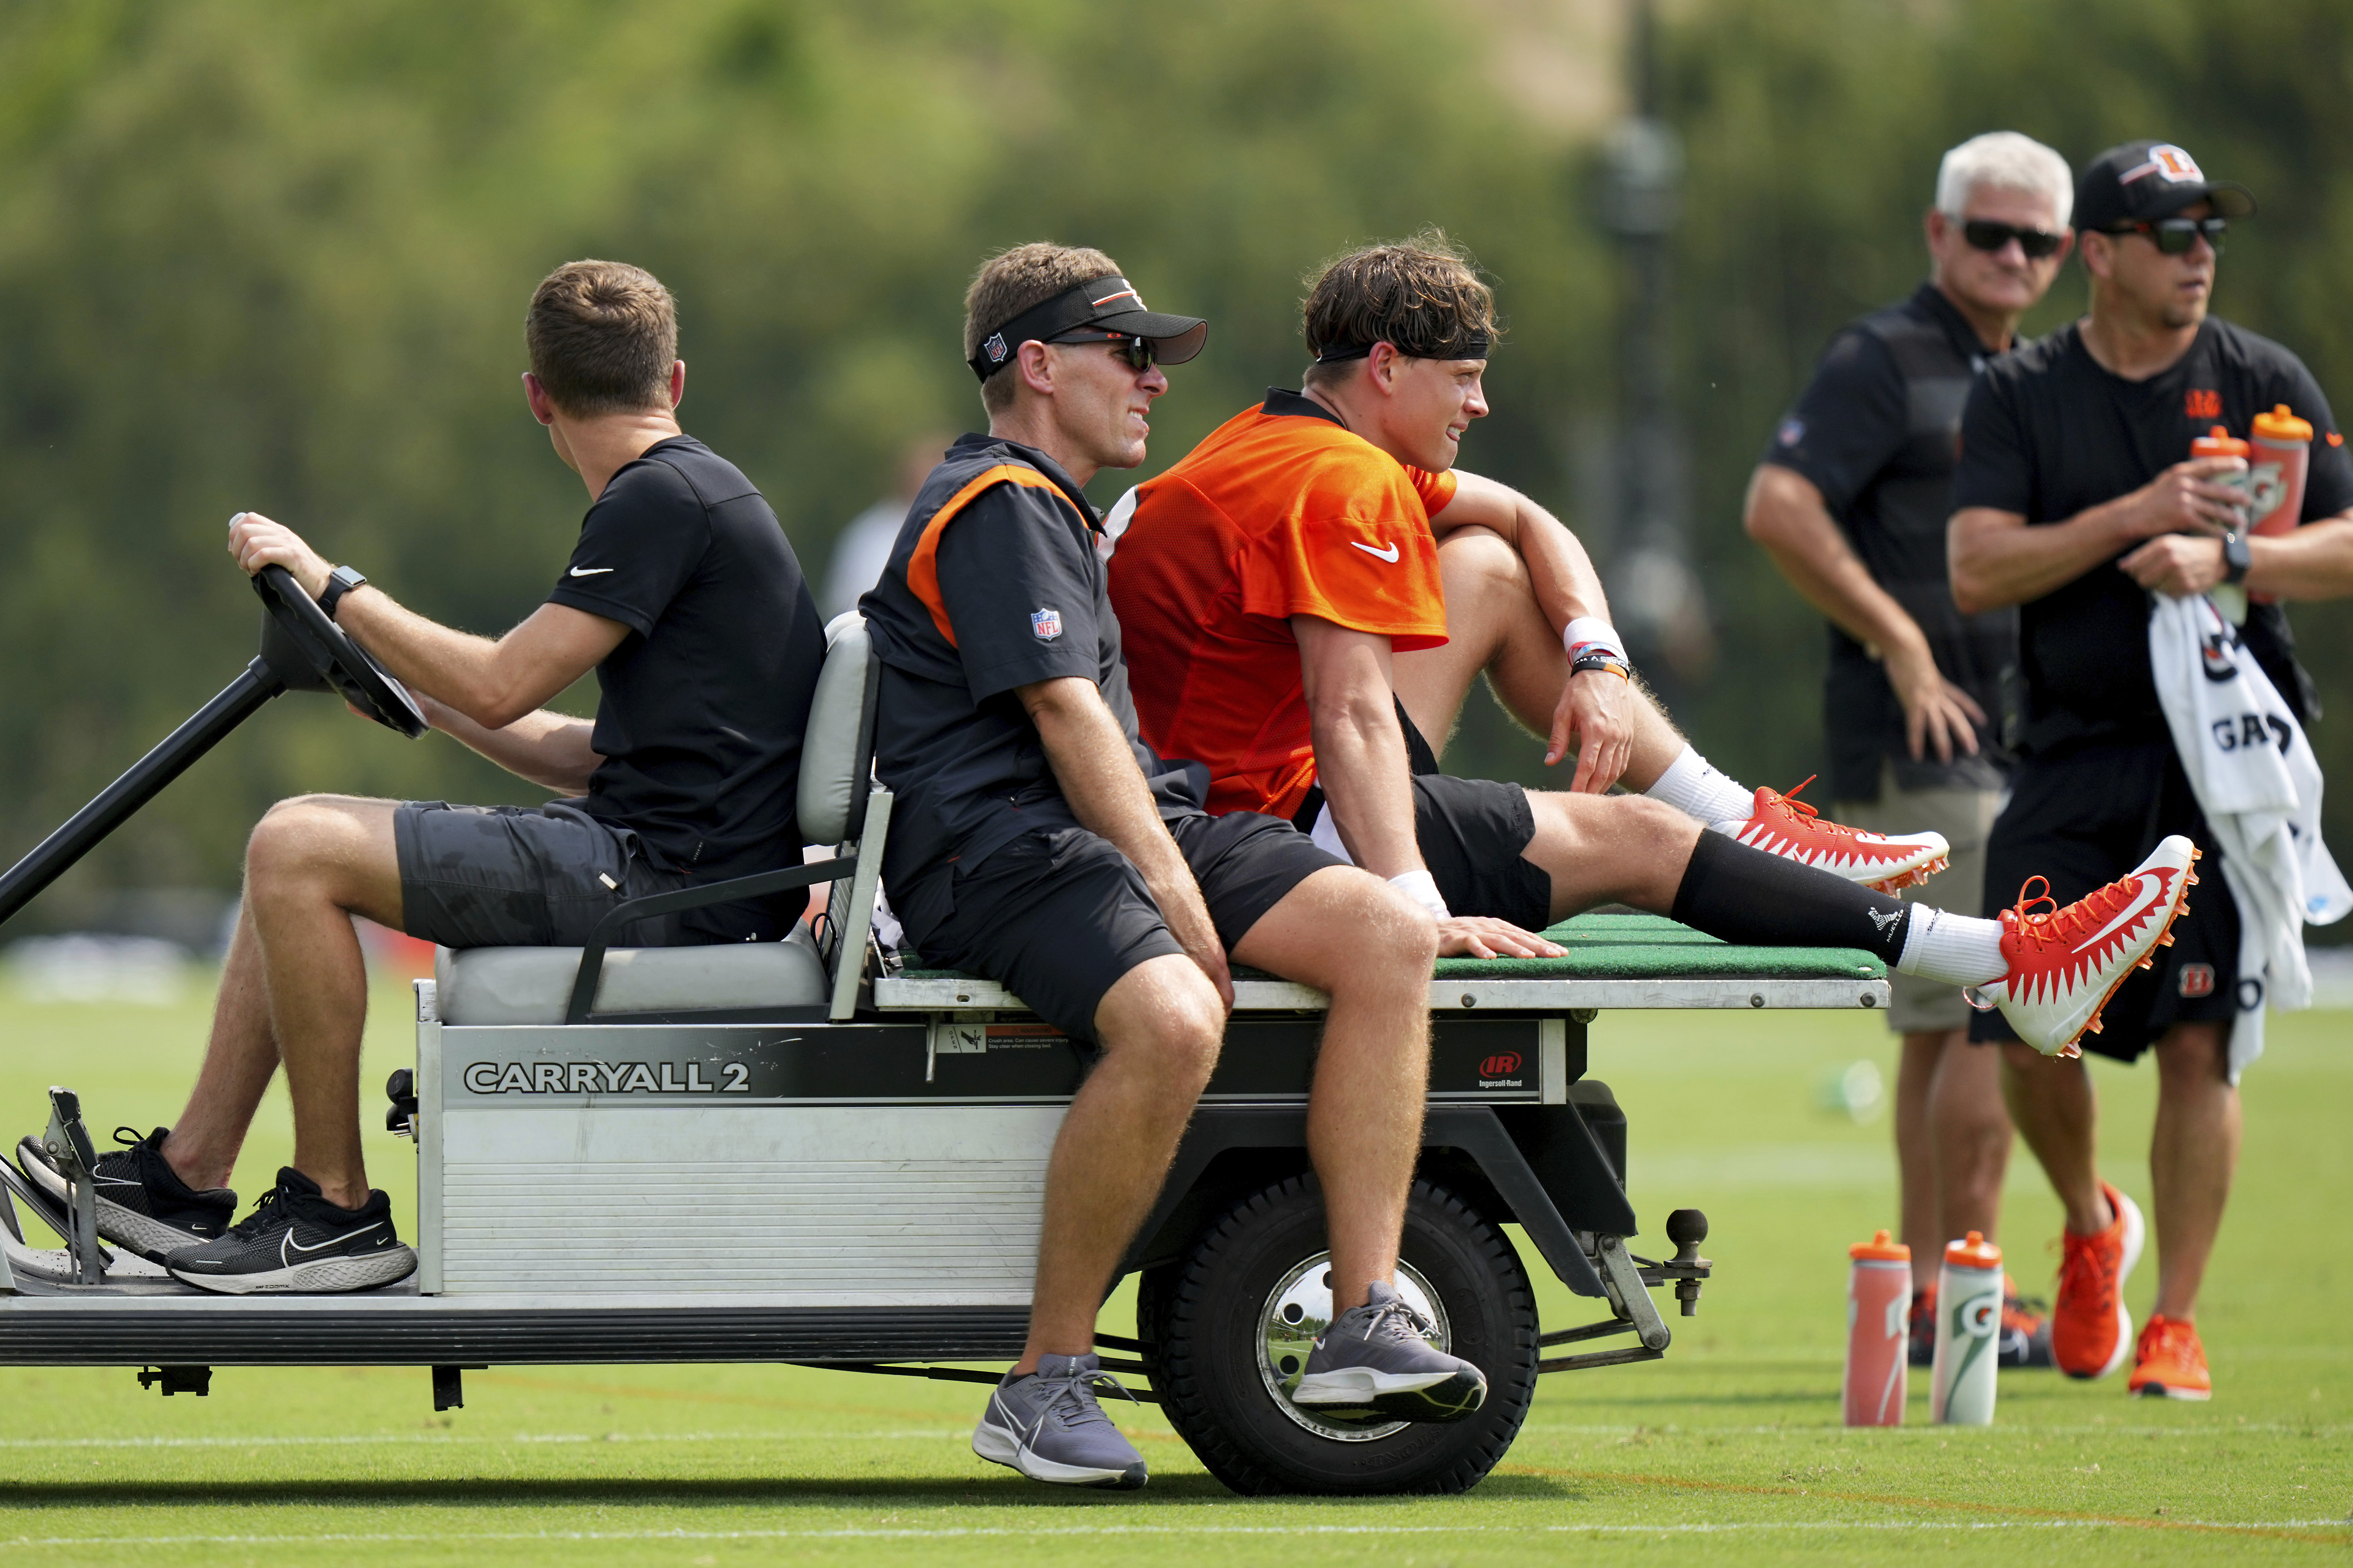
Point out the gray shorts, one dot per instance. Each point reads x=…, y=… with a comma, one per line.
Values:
x=1964, y=817
x=543, y=875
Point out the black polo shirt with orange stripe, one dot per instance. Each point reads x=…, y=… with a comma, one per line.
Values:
x=996, y=581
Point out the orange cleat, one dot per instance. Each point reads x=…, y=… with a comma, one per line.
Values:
x=2090, y=1329
x=2064, y=964
x=2169, y=1364
x=1785, y=826
x=2025, y=1340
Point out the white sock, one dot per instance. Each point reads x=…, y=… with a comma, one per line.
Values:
x=1693, y=786
x=1954, y=949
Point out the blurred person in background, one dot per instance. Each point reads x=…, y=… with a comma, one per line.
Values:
x=1851, y=502
x=2077, y=501
x=862, y=548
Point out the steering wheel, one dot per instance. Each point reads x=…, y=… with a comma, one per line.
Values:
x=308, y=652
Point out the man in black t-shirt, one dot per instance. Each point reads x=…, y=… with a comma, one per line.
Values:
x=684, y=597
x=2075, y=501
x=1851, y=501
x=1037, y=841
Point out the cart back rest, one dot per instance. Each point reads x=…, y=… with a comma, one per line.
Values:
x=838, y=749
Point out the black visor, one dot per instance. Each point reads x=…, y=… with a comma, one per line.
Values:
x=1107, y=304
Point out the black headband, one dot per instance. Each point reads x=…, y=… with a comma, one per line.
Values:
x=1468, y=348
x=1111, y=303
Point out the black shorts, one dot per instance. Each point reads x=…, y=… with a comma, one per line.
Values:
x=1473, y=834
x=543, y=875
x=2088, y=817
x=1058, y=916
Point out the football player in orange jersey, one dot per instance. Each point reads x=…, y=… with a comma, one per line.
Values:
x=1308, y=595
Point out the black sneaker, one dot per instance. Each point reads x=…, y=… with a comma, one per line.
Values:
x=296, y=1241
x=142, y=1205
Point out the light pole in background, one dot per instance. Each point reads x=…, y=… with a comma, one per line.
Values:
x=1654, y=594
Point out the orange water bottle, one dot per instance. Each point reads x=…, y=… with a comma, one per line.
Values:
x=1878, y=1331
x=2280, y=456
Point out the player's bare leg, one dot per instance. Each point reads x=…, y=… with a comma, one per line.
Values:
x=298, y=991
x=2052, y=1104
x=1952, y=1143
x=1495, y=628
x=2192, y=1155
x=1160, y=1026
x=1602, y=848
x=1346, y=934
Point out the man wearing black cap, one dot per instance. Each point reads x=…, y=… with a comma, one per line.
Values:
x=2075, y=500
x=1036, y=841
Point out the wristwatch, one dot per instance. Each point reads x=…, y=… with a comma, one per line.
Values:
x=343, y=579
x=2236, y=557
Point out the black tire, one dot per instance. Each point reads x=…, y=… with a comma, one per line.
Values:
x=1199, y=1319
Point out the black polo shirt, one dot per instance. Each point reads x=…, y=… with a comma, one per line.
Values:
x=2050, y=434
x=998, y=581
x=704, y=704
x=1877, y=431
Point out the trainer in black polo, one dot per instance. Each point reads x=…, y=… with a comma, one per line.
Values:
x=296, y=1241
x=142, y=1205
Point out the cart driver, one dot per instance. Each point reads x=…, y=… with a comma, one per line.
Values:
x=683, y=596
x=1037, y=842
x=1310, y=592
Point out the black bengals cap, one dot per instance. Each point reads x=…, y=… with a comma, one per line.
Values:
x=2143, y=181
x=1101, y=304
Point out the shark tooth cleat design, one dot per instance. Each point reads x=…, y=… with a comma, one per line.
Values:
x=1785, y=826
x=2064, y=964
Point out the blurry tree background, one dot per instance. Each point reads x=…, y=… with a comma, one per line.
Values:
x=272, y=256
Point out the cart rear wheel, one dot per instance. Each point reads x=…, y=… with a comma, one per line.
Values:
x=1230, y=1324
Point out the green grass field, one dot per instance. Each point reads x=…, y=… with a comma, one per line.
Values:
x=1731, y=1445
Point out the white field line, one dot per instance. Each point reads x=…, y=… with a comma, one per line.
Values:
x=450, y=1439
x=953, y=1533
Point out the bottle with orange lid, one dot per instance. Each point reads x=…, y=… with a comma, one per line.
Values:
x=1968, y=1330
x=2279, y=458
x=2229, y=598
x=1878, y=1331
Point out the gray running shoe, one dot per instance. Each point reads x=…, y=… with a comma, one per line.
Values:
x=1376, y=1357
x=296, y=1241
x=1047, y=1426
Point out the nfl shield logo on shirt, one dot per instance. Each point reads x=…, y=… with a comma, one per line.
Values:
x=1047, y=624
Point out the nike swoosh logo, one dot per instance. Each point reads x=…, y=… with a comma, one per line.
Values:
x=587, y=571
x=1389, y=555
x=333, y=1241
x=2151, y=890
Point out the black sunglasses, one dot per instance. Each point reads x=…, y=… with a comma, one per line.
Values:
x=1141, y=353
x=1984, y=234
x=2175, y=236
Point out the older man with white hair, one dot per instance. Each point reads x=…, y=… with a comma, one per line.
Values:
x=1851, y=501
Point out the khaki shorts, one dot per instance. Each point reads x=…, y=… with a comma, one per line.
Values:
x=1964, y=817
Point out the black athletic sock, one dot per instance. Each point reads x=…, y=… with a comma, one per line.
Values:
x=1747, y=896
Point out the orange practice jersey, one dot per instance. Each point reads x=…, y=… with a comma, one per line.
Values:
x=1281, y=511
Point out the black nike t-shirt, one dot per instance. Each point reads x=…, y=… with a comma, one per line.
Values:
x=2049, y=434
x=996, y=581
x=705, y=702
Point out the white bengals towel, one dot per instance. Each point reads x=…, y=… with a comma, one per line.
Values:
x=2255, y=776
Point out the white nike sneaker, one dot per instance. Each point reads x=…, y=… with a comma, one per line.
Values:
x=1785, y=826
x=2064, y=964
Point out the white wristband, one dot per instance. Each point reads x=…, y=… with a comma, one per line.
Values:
x=1591, y=633
x=1422, y=888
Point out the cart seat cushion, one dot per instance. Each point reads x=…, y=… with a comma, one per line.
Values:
x=831, y=755
x=1638, y=947
x=534, y=984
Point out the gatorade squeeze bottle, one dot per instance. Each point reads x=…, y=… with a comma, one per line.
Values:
x=1878, y=1310
x=2229, y=598
x=2279, y=457
x=1968, y=1330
